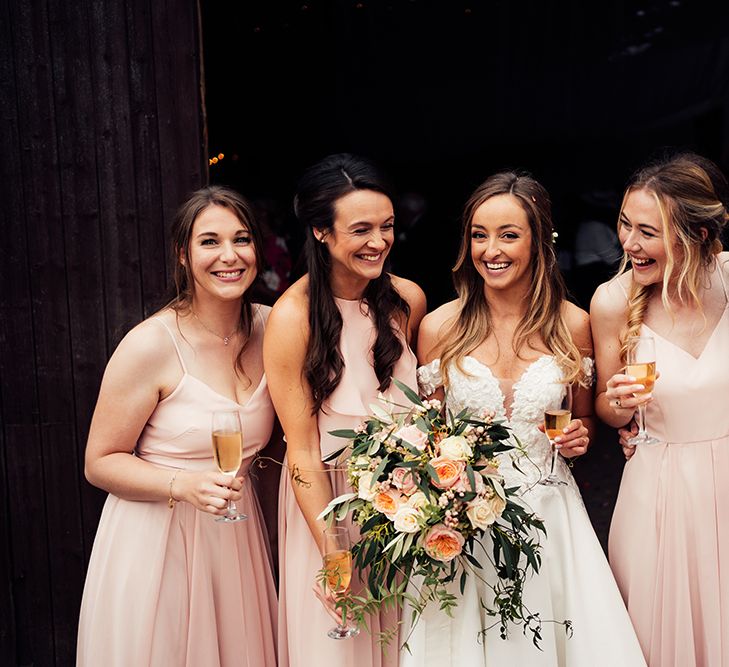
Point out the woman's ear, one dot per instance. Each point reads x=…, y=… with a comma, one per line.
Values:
x=181, y=257
x=319, y=234
x=703, y=232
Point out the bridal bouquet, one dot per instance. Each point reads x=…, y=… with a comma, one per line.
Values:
x=426, y=491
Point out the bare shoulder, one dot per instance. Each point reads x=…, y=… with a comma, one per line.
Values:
x=410, y=291
x=146, y=354
x=292, y=307
x=610, y=298
x=434, y=327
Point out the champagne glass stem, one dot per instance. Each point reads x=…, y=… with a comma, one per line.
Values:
x=554, y=458
x=641, y=421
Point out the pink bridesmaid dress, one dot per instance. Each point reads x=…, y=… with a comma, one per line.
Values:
x=669, y=538
x=173, y=586
x=303, y=621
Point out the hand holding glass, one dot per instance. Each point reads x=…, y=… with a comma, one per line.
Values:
x=642, y=366
x=556, y=419
x=338, y=573
x=228, y=451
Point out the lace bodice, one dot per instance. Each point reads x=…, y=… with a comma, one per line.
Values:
x=538, y=387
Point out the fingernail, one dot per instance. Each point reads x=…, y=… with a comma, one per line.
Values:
x=631, y=378
x=558, y=438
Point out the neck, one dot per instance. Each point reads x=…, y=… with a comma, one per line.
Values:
x=349, y=288
x=221, y=316
x=506, y=303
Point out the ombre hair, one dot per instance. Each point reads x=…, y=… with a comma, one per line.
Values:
x=688, y=191
x=543, y=314
x=180, y=300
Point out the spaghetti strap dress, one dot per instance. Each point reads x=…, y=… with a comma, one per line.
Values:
x=173, y=586
x=303, y=621
x=669, y=537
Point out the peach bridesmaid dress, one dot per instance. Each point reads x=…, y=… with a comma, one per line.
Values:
x=173, y=586
x=669, y=538
x=303, y=622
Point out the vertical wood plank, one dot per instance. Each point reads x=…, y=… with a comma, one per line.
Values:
x=26, y=490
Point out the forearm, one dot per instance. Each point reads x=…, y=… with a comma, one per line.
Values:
x=129, y=477
x=312, y=488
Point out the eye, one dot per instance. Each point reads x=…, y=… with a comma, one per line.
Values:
x=647, y=234
x=208, y=242
x=388, y=226
x=625, y=225
x=243, y=239
x=478, y=235
x=361, y=231
x=511, y=236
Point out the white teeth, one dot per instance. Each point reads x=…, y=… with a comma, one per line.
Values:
x=500, y=265
x=227, y=274
x=370, y=258
x=640, y=262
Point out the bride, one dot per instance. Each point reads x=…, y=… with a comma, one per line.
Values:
x=504, y=345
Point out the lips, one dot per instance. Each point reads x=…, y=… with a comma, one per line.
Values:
x=370, y=258
x=640, y=262
x=497, y=266
x=228, y=275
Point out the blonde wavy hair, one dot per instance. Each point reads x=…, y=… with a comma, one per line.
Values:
x=688, y=190
x=543, y=315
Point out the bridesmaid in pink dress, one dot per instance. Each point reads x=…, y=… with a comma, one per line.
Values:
x=335, y=339
x=167, y=584
x=669, y=539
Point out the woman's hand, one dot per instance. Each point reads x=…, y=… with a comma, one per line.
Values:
x=622, y=394
x=574, y=441
x=329, y=600
x=207, y=491
x=625, y=434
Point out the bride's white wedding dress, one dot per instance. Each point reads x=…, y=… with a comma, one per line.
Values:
x=574, y=581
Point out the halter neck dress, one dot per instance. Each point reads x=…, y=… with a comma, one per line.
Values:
x=303, y=621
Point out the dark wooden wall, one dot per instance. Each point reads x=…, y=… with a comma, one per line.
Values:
x=102, y=134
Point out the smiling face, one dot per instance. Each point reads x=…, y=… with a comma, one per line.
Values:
x=642, y=236
x=221, y=254
x=360, y=238
x=501, y=243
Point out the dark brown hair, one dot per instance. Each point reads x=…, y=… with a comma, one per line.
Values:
x=320, y=187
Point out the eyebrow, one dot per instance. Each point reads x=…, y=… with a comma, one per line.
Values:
x=510, y=225
x=369, y=222
x=215, y=234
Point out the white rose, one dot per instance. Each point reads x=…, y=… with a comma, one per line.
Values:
x=417, y=500
x=455, y=448
x=480, y=513
x=498, y=505
x=406, y=520
x=366, y=490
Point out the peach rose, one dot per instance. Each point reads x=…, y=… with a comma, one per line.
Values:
x=413, y=436
x=448, y=471
x=387, y=502
x=443, y=543
x=404, y=480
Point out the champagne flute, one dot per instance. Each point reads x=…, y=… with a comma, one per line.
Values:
x=556, y=418
x=641, y=365
x=337, y=560
x=228, y=451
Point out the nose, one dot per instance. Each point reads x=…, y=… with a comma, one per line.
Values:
x=227, y=252
x=631, y=240
x=492, y=249
x=376, y=240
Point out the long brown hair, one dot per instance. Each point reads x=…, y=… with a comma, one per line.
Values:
x=180, y=300
x=543, y=316
x=688, y=191
x=320, y=187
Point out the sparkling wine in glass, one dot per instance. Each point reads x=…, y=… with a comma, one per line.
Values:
x=228, y=451
x=556, y=418
x=337, y=560
x=642, y=366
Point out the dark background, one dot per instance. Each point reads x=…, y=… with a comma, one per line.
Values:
x=110, y=110
x=442, y=94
